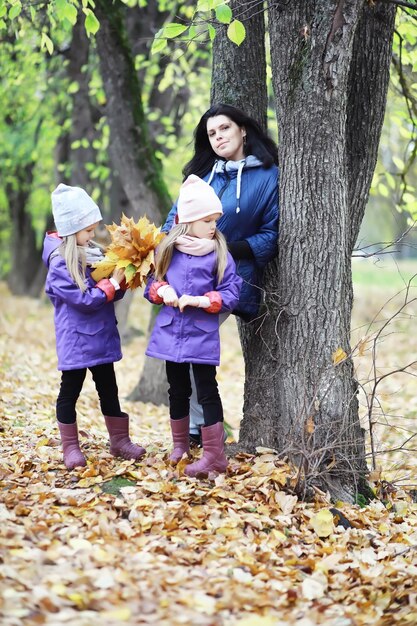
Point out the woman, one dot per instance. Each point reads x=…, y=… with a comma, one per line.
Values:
x=234, y=155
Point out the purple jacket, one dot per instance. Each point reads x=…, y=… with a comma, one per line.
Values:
x=85, y=323
x=193, y=336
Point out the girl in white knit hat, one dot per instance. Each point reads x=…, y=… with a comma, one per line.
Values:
x=85, y=322
x=195, y=280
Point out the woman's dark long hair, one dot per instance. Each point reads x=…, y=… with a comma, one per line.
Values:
x=257, y=141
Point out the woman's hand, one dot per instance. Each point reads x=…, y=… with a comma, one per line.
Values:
x=188, y=301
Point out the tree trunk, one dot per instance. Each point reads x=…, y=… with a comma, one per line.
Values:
x=82, y=123
x=304, y=404
x=239, y=72
x=367, y=91
x=153, y=384
x=24, y=254
x=130, y=149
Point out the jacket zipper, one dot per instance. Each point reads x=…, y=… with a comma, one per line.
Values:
x=225, y=186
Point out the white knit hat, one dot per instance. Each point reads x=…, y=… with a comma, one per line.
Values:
x=196, y=200
x=73, y=210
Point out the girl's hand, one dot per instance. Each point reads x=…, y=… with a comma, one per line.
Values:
x=188, y=301
x=118, y=275
x=169, y=296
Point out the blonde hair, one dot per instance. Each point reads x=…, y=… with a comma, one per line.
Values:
x=166, y=248
x=75, y=260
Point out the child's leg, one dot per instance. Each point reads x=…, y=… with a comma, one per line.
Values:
x=117, y=422
x=179, y=392
x=213, y=459
x=104, y=378
x=71, y=385
x=208, y=393
x=196, y=410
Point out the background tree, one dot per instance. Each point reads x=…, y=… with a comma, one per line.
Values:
x=103, y=142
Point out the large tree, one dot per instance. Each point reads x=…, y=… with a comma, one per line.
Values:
x=330, y=66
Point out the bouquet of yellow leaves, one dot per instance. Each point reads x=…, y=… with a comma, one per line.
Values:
x=132, y=249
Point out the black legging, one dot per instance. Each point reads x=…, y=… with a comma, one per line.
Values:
x=72, y=383
x=178, y=375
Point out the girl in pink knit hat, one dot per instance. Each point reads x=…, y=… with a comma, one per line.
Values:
x=195, y=281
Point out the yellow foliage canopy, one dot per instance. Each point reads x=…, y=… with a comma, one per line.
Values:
x=132, y=249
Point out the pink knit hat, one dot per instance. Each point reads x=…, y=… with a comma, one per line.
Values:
x=196, y=200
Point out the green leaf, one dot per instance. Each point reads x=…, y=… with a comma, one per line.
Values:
x=211, y=32
x=224, y=14
x=15, y=11
x=383, y=190
x=70, y=13
x=203, y=5
x=3, y=10
x=399, y=163
x=173, y=30
x=208, y=5
x=158, y=45
x=91, y=23
x=236, y=32
x=47, y=43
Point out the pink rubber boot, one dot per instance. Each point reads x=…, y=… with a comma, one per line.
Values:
x=120, y=442
x=73, y=457
x=214, y=458
x=180, y=437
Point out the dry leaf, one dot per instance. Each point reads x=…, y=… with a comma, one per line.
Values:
x=338, y=356
x=322, y=523
x=132, y=249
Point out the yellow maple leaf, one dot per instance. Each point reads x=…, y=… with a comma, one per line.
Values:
x=322, y=523
x=338, y=356
x=132, y=249
x=105, y=268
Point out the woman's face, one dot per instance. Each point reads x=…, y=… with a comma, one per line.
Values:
x=226, y=137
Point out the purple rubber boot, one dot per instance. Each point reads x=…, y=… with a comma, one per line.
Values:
x=214, y=458
x=180, y=437
x=73, y=457
x=120, y=442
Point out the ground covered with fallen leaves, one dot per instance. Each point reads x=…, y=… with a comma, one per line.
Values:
x=120, y=542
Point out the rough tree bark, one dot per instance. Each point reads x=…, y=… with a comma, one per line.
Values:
x=330, y=64
x=323, y=56
x=239, y=72
x=130, y=149
x=131, y=152
x=23, y=250
x=82, y=118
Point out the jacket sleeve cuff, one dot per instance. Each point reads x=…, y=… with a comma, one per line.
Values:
x=215, y=302
x=153, y=292
x=105, y=285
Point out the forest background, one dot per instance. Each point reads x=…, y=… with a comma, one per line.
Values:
x=252, y=536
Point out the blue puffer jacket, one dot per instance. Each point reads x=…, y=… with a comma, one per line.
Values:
x=85, y=322
x=249, y=196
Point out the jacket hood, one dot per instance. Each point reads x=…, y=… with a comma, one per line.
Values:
x=232, y=167
x=51, y=242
